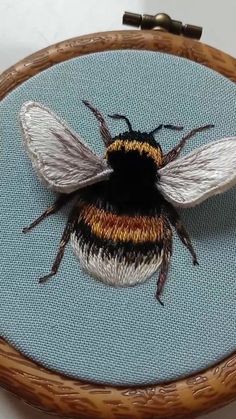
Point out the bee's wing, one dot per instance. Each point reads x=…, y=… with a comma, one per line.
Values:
x=62, y=160
x=207, y=171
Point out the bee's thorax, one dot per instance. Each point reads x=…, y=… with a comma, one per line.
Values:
x=134, y=158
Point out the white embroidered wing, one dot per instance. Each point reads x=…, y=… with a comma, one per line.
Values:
x=207, y=171
x=62, y=160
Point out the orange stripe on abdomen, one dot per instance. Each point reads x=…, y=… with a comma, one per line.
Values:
x=123, y=228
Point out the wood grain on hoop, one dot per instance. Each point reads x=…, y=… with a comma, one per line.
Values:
x=57, y=394
x=105, y=41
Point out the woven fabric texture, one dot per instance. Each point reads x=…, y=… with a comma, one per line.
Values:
x=74, y=324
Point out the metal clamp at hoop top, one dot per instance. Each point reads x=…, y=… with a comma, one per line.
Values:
x=164, y=22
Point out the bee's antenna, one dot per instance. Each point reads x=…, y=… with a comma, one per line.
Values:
x=173, y=127
x=117, y=116
x=105, y=133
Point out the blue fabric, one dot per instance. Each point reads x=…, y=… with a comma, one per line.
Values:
x=81, y=327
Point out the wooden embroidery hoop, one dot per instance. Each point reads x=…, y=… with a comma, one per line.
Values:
x=57, y=394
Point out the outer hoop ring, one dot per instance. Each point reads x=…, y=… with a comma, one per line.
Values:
x=54, y=393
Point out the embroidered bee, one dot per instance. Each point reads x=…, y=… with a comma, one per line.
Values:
x=121, y=224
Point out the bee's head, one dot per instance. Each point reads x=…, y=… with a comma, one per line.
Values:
x=134, y=154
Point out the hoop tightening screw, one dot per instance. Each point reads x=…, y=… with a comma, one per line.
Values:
x=162, y=21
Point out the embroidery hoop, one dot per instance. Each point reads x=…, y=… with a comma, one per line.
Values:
x=56, y=394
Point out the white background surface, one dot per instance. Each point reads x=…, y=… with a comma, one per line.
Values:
x=29, y=25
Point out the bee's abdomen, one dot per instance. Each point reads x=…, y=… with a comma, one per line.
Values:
x=120, y=250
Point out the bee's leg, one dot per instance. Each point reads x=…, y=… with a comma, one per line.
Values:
x=175, y=220
x=104, y=131
x=63, y=242
x=55, y=207
x=174, y=153
x=167, y=252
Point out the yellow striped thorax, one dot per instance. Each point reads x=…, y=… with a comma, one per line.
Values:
x=144, y=147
